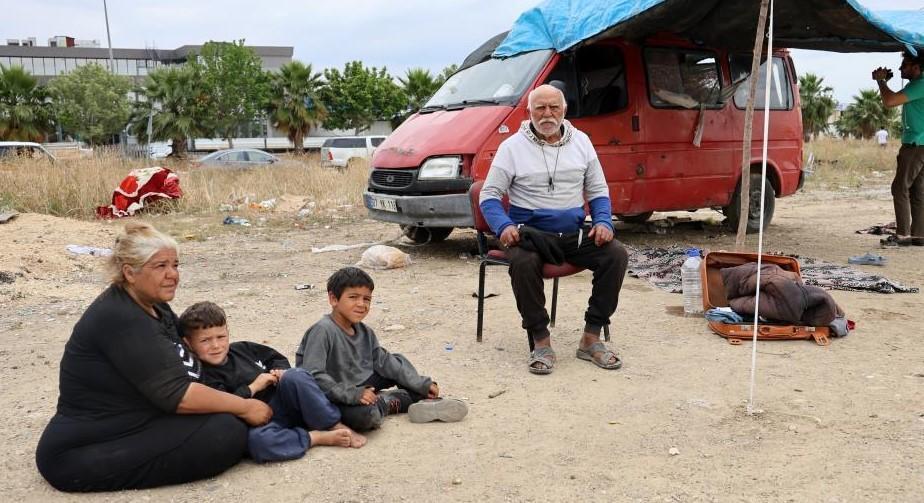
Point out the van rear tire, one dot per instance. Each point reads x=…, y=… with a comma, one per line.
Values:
x=424, y=235
x=734, y=207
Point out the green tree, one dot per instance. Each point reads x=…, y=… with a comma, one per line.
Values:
x=25, y=114
x=447, y=72
x=817, y=105
x=174, y=100
x=418, y=86
x=235, y=83
x=294, y=105
x=91, y=103
x=866, y=115
x=358, y=96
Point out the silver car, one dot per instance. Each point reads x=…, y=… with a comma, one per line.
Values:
x=238, y=157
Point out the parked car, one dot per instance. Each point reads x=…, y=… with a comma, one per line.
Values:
x=238, y=157
x=27, y=149
x=337, y=152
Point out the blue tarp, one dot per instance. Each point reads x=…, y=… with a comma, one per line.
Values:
x=834, y=25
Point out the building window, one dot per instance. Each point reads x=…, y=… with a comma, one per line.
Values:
x=5, y=61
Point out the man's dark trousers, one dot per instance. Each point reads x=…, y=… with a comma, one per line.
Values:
x=608, y=263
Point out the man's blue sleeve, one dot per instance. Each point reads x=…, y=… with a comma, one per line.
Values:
x=494, y=214
x=601, y=212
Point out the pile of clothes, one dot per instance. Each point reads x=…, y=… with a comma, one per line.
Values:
x=784, y=299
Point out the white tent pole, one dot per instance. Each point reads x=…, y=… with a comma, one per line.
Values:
x=744, y=193
x=763, y=188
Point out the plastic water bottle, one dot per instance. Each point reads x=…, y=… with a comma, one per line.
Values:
x=692, y=284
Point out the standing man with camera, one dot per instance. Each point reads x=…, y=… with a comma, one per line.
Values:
x=908, y=186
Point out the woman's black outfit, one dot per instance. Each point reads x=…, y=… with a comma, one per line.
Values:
x=122, y=377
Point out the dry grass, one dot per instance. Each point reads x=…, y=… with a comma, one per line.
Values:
x=850, y=164
x=75, y=187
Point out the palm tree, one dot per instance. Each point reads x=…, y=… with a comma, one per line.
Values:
x=866, y=115
x=419, y=86
x=174, y=99
x=817, y=104
x=294, y=105
x=25, y=113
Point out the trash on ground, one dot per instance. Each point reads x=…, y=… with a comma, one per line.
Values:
x=264, y=205
x=140, y=188
x=89, y=250
x=394, y=328
x=487, y=295
x=449, y=346
x=304, y=286
x=227, y=207
x=333, y=248
x=7, y=215
x=869, y=258
x=495, y=394
x=673, y=451
x=232, y=220
x=385, y=257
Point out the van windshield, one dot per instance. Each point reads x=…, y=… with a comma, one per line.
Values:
x=493, y=82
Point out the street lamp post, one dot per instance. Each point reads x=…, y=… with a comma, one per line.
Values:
x=108, y=39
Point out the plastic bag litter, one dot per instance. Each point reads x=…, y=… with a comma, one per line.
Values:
x=384, y=257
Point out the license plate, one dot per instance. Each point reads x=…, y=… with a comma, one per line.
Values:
x=383, y=203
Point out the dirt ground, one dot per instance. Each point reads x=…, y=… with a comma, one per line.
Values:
x=837, y=424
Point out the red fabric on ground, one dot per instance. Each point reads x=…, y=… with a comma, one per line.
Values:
x=141, y=186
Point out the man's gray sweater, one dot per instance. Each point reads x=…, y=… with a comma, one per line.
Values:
x=341, y=363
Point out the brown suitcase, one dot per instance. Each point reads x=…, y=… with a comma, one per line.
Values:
x=714, y=296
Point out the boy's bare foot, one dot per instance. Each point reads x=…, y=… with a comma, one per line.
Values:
x=356, y=440
x=336, y=438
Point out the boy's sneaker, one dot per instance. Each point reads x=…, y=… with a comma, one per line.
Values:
x=397, y=401
x=447, y=410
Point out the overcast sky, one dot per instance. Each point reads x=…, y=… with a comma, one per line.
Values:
x=397, y=34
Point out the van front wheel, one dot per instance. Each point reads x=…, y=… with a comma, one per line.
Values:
x=423, y=235
x=734, y=208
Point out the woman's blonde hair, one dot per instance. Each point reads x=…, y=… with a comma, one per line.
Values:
x=134, y=246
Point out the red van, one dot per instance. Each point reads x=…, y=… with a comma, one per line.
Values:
x=666, y=118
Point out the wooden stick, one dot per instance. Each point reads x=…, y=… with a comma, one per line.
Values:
x=745, y=195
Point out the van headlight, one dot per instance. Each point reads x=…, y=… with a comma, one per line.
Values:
x=438, y=168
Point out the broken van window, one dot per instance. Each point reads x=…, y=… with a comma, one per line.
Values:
x=682, y=78
x=780, y=93
x=495, y=81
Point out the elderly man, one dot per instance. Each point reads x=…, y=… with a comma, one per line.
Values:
x=908, y=185
x=547, y=169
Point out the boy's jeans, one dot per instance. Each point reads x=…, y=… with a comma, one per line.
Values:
x=298, y=405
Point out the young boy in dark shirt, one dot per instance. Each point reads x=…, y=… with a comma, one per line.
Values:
x=303, y=417
x=346, y=360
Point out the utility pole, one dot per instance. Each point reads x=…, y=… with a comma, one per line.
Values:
x=112, y=68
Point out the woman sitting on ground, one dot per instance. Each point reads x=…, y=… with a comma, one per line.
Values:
x=129, y=414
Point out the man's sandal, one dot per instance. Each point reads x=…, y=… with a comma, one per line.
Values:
x=603, y=360
x=545, y=357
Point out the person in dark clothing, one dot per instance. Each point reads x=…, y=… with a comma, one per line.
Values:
x=346, y=360
x=303, y=417
x=129, y=415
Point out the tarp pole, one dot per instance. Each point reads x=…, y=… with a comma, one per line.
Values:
x=760, y=232
x=745, y=195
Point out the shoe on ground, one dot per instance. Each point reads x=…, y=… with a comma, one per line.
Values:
x=447, y=410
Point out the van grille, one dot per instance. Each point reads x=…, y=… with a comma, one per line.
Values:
x=392, y=178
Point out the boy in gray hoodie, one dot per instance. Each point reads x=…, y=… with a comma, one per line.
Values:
x=349, y=365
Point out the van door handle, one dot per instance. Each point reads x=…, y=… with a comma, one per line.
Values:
x=639, y=170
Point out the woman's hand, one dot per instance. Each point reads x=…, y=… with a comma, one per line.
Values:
x=255, y=412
